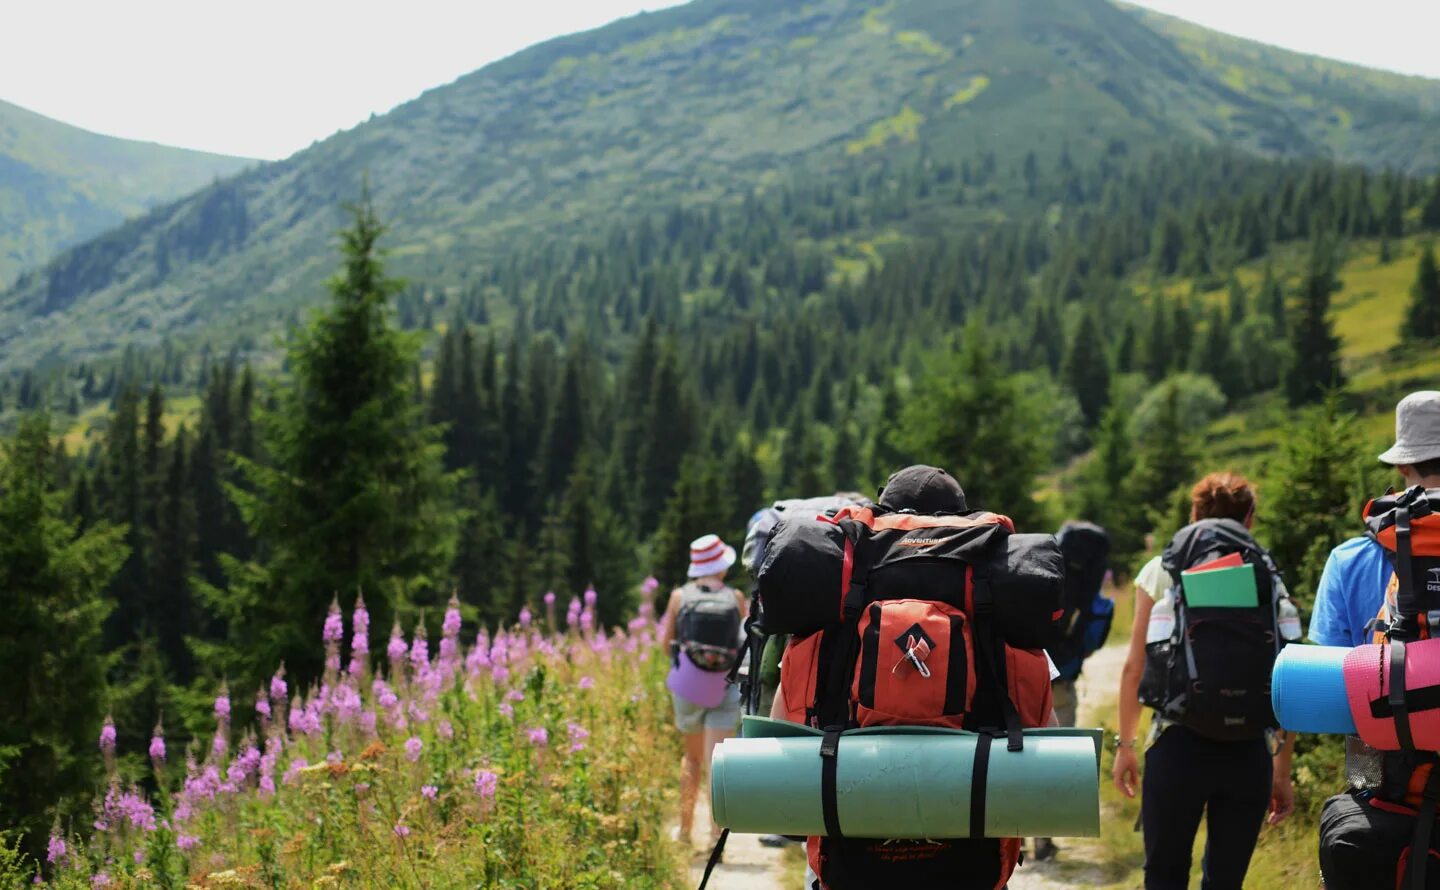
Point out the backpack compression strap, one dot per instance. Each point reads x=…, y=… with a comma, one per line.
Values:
x=833, y=704
x=992, y=655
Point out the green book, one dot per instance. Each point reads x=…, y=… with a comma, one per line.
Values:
x=1232, y=587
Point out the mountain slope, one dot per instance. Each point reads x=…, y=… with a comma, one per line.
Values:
x=696, y=103
x=60, y=185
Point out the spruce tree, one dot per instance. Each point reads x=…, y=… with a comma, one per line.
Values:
x=968, y=417
x=1315, y=478
x=1100, y=494
x=1087, y=369
x=1422, y=319
x=52, y=664
x=1430, y=209
x=1315, y=347
x=1164, y=462
x=353, y=495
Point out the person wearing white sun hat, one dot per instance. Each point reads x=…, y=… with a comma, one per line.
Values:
x=703, y=628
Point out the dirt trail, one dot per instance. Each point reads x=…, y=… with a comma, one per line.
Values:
x=747, y=865
x=1077, y=864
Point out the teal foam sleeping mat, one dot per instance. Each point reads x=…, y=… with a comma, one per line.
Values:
x=907, y=782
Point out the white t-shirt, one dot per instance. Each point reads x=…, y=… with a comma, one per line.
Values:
x=1154, y=580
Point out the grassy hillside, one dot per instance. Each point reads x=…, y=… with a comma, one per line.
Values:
x=60, y=185
x=696, y=104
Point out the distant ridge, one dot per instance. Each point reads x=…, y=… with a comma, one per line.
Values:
x=60, y=185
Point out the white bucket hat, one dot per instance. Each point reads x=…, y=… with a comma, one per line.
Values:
x=710, y=556
x=1417, y=429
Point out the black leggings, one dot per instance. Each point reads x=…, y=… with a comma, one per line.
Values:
x=1186, y=775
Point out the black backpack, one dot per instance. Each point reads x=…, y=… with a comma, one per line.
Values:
x=1213, y=673
x=1086, y=549
x=708, y=627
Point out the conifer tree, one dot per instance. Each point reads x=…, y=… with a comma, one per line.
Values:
x=1087, y=369
x=1422, y=320
x=1430, y=209
x=973, y=422
x=1317, y=482
x=1101, y=491
x=1316, y=349
x=353, y=495
x=52, y=674
x=1164, y=462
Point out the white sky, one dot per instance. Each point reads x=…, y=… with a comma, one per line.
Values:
x=267, y=77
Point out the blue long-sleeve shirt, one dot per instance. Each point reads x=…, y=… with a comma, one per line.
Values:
x=1351, y=591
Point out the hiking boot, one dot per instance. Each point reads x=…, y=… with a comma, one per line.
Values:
x=1045, y=849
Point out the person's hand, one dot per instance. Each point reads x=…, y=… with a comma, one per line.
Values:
x=1127, y=771
x=1282, y=799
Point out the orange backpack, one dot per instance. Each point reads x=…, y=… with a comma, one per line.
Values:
x=921, y=623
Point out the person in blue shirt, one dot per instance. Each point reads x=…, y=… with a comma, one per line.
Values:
x=1352, y=587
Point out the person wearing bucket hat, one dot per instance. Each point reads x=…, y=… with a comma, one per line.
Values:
x=1352, y=587
x=702, y=627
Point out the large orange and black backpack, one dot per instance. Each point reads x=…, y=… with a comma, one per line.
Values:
x=913, y=620
x=1385, y=836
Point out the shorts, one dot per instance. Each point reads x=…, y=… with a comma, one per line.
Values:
x=1065, y=701
x=692, y=718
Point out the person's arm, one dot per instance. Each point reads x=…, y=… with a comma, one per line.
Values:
x=778, y=707
x=744, y=605
x=667, y=624
x=1328, y=626
x=1282, y=790
x=1127, y=764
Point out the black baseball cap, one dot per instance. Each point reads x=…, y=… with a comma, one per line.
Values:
x=923, y=489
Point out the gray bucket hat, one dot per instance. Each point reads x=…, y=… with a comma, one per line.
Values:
x=1417, y=429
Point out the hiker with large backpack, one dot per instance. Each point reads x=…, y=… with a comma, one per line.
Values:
x=1211, y=615
x=1083, y=626
x=1352, y=587
x=1382, y=831
x=702, y=628
x=944, y=615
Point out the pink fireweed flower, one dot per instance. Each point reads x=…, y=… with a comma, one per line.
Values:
x=450, y=626
x=402, y=830
x=335, y=757
x=367, y=722
x=297, y=715
x=360, y=625
x=539, y=737
x=107, y=736
x=187, y=842
x=506, y=710
x=222, y=705
x=278, y=688
x=100, y=879
x=578, y=734
x=419, y=651
x=346, y=702
x=587, y=682
x=395, y=650
x=499, y=673
x=446, y=731
x=525, y=616
x=413, y=747
x=486, y=783
x=157, y=746
x=219, y=746
x=514, y=695
x=549, y=598
x=590, y=597
x=55, y=850
x=334, y=630
x=649, y=585
x=262, y=705
x=384, y=695
x=429, y=792
x=572, y=614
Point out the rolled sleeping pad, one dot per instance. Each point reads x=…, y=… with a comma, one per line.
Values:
x=1368, y=672
x=908, y=782
x=1307, y=690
